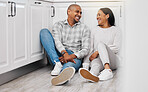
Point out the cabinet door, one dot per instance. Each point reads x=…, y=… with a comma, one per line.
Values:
x=47, y=19
x=4, y=46
x=18, y=26
x=38, y=19
x=60, y=10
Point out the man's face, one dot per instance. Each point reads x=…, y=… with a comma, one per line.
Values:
x=75, y=13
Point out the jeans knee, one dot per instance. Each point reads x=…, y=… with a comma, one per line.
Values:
x=44, y=31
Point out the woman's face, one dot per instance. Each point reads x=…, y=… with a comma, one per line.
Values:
x=102, y=18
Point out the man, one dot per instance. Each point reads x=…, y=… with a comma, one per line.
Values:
x=69, y=46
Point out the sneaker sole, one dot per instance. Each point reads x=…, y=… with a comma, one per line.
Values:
x=64, y=76
x=87, y=75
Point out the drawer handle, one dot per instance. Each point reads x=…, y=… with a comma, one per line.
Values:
x=37, y=2
x=53, y=11
x=10, y=15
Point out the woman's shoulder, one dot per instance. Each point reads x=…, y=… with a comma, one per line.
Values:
x=95, y=28
x=115, y=28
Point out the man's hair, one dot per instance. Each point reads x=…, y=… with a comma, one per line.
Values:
x=71, y=6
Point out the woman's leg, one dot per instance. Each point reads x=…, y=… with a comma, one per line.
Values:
x=49, y=45
x=107, y=56
x=109, y=61
x=96, y=66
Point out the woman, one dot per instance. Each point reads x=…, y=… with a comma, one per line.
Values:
x=104, y=49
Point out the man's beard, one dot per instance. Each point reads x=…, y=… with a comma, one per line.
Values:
x=75, y=21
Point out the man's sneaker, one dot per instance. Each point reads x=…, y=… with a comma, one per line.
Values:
x=106, y=74
x=57, y=68
x=87, y=75
x=64, y=76
x=85, y=65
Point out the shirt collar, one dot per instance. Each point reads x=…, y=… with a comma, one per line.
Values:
x=66, y=22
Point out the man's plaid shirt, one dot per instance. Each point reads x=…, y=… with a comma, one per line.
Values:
x=75, y=38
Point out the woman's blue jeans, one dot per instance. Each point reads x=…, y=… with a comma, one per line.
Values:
x=49, y=46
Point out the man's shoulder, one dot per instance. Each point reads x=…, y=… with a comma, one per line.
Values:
x=59, y=23
x=82, y=24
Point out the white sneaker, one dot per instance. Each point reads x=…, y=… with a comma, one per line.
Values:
x=106, y=74
x=85, y=65
x=87, y=75
x=57, y=68
x=64, y=76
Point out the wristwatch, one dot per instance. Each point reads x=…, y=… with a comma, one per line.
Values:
x=63, y=52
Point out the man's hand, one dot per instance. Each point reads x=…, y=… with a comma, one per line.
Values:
x=66, y=57
x=61, y=59
x=93, y=56
x=70, y=58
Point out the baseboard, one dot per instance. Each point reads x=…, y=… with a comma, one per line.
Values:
x=6, y=77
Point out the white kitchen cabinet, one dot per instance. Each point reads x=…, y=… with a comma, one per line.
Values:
x=39, y=18
x=13, y=33
x=20, y=25
x=17, y=24
x=4, y=36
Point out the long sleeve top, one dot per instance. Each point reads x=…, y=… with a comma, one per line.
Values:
x=110, y=36
x=75, y=38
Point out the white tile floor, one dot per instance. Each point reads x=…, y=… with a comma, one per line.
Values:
x=40, y=81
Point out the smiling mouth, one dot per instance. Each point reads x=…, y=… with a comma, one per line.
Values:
x=78, y=18
x=99, y=20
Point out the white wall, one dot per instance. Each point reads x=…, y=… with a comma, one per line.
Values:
x=136, y=47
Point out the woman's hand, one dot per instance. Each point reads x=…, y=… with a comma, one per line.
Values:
x=93, y=56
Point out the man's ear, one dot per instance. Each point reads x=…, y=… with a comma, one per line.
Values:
x=68, y=12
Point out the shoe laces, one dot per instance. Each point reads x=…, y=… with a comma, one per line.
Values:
x=57, y=65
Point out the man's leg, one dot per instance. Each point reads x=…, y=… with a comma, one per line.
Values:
x=71, y=64
x=49, y=45
x=68, y=71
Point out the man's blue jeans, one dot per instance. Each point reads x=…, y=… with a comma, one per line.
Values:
x=49, y=46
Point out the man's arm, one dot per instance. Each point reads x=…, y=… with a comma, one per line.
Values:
x=85, y=43
x=57, y=35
